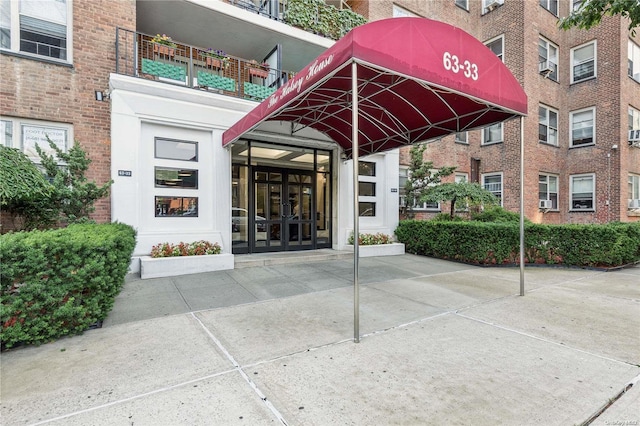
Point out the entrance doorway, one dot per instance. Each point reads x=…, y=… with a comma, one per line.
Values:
x=281, y=198
x=285, y=209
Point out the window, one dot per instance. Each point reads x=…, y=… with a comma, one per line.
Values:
x=548, y=189
x=36, y=27
x=548, y=59
x=461, y=177
x=25, y=134
x=399, y=12
x=463, y=4
x=176, y=150
x=496, y=45
x=633, y=64
x=492, y=134
x=462, y=137
x=404, y=176
x=367, y=184
x=634, y=119
x=582, y=189
x=547, y=125
x=489, y=5
x=176, y=206
x=6, y=133
x=550, y=5
x=176, y=178
x=493, y=184
x=582, y=127
x=583, y=62
x=576, y=5
x=634, y=191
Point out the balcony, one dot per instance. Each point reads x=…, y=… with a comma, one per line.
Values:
x=195, y=67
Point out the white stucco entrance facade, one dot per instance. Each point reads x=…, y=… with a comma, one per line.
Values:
x=173, y=179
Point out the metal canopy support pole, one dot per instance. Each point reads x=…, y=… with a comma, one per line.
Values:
x=356, y=210
x=521, y=206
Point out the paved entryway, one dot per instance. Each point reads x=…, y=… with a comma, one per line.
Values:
x=441, y=343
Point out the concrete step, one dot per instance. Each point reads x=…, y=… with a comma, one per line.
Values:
x=281, y=258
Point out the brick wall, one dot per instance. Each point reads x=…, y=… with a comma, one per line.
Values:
x=40, y=90
x=522, y=24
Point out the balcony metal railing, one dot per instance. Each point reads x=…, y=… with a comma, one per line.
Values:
x=194, y=67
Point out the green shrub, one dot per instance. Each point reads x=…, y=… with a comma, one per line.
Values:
x=59, y=282
x=499, y=242
x=497, y=214
x=371, y=239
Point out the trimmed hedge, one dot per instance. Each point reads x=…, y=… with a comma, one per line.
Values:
x=60, y=282
x=488, y=243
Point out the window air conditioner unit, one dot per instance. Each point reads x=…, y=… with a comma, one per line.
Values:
x=634, y=204
x=546, y=204
x=545, y=67
x=634, y=135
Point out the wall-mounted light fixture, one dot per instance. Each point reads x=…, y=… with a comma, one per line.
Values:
x=102, y=96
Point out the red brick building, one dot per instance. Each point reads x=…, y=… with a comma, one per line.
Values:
x=584, y=101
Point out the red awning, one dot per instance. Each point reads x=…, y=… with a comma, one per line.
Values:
x=417, y=79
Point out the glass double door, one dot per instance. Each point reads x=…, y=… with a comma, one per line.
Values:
x=284, y=208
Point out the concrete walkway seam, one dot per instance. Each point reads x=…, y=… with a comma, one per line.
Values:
x=611, y=401
x=244, y=375
x=562, y=345
x=131, y=398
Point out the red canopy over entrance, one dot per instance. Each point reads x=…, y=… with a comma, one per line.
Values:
x=417, y=79
x=414, y=79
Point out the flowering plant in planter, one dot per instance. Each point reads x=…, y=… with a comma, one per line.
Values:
x=164, y=40
x=197, y=248
x=216, y=58
x=371, y=239
x=257, y=65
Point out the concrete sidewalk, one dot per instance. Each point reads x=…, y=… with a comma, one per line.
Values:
x=441, y=343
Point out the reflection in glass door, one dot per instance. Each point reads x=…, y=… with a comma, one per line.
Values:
x=284, y=208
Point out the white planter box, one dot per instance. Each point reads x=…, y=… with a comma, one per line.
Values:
x=183, y=265
x=379, y=250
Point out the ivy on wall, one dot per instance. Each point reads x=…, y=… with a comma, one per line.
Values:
x=317, y=17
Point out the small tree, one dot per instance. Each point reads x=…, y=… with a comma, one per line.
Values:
x=470, y=193
x=74, y=196
x=63, y=195
x=421, y=177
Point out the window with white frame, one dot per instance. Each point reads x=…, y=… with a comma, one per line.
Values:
x=493, y=183
x=550, y=5
x=633, y=64
x=548, y=189
x=25, y=134
x=634, y=119
x=634, y=191
x=548, y=58
x=583, y=192
x=492, y=134
x=576, y=5
x=582, y=127
x=461, y=177
x=489, y=5
x=463, y=4
x=40, y=28
x=367, y=184
x=547, y=125
x=462, y=137
x=405, y=173
x=496, y=45
x=583, y=62
x=399, y=12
